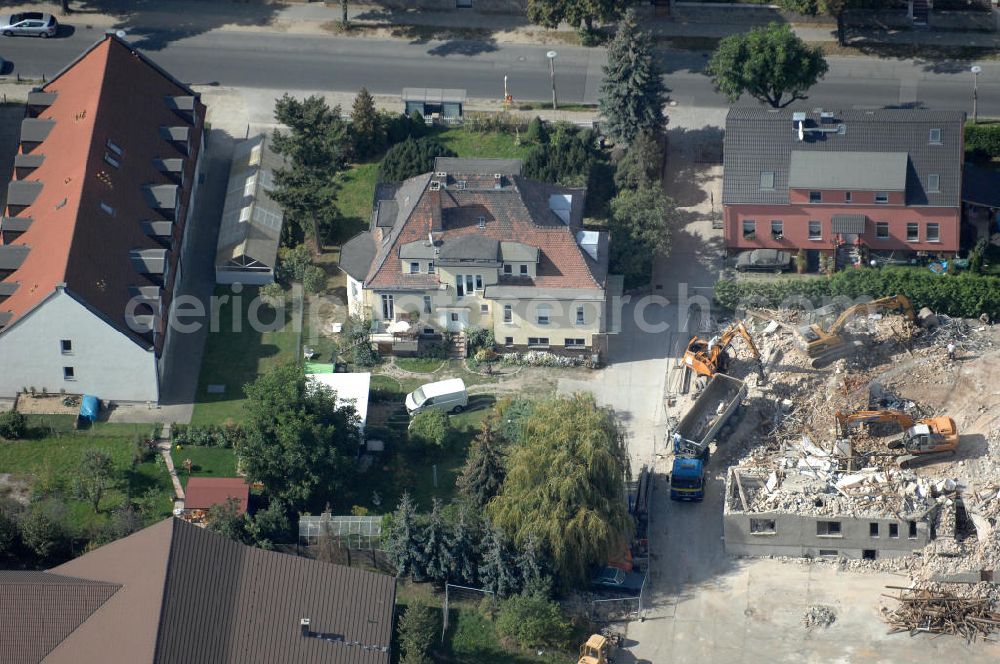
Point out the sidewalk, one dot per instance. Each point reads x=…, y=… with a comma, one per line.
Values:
x=184, y=17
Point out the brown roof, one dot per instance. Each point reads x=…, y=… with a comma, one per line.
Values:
x=175, y=592
x=111, y=93
x=203, y=492
x=516, y=211
x=40, y=609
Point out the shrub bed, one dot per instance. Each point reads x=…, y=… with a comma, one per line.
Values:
x=964, y=295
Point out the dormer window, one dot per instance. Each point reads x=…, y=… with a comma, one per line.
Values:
x=767, y=180
x=430, y=267
x=508, y=268
x=481, y=222
x=414, y=268
x=524, y=270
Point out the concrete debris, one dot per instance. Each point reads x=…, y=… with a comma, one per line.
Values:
x=818, y=616
x=791, y=458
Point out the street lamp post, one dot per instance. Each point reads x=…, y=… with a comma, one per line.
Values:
x=975, y=93
x=551, y=55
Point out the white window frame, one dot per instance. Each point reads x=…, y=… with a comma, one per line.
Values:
x=809, y=229
x=916, y=236
x=752, y=235
x=880, y=225
x=777, y=229
x=388, y=306
x=66, y=346
x=414, y=267
x=881, y=197
x=523, y=271
x=934, y=136
x=581, y=315
x=819, y=197
x=934, y=183
x=427, y=304
x=543, y=314
x=508, y=314
x=430, y=267
x=69, y=373
x=937, y=232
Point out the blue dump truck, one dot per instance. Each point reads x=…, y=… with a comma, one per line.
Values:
x=695, y=432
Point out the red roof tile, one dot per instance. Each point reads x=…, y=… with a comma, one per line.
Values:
x=517, y=212
x=110, y=93
x=203, y=492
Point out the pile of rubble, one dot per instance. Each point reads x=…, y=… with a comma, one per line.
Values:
x=802, y=478
x=818, y=616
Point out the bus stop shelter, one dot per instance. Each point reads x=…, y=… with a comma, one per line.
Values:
x=435, y=103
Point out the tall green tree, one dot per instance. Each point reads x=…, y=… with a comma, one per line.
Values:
x=95, y=475
x=436, y=556
x=483, y=473
x=533, y=568
x=269, y=526
x=632, y=93
x=641, y=223
x=317, y=146
x=366, y=126
x=226, y=520
x=564, y=486
x=463, y=545
x=417, y=630
x=550, y=13
x=641, y=165
x=298, y=443
x=44, y=530
x=771, y=64
x=497, y=570
x=411, y=157
x=404, y=544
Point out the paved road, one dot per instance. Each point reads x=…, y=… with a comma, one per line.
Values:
x=307, y=63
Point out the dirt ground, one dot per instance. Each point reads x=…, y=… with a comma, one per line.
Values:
x=51, y=404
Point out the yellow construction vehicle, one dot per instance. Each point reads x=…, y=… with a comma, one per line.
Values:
x=929, y=436
x=597, y=650
x=825, y=346
x=709, y=357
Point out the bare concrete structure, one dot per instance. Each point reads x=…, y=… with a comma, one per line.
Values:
x=805, y=528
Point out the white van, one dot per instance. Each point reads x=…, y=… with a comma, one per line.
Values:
x=446, y=395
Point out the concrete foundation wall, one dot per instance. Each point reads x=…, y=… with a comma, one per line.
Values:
x=796, y=535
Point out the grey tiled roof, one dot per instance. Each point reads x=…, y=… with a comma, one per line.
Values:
x=761, y=140
x=357, y=254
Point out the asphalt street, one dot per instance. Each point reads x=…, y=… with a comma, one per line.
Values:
x=312, y=63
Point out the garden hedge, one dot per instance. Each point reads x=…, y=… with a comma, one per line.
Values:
x=982, y=141
x=963, y=295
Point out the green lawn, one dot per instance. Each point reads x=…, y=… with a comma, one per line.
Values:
x=206, y=462
x=424, y=365
x=471, y=144
x=49, y=459
x=235, y=354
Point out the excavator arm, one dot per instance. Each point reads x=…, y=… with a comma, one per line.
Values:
x=891, y=303
x=846, y=421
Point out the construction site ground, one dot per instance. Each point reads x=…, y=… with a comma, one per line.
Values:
x=706, y=604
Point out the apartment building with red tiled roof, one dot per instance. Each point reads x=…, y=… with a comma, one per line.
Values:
x=475, y=244
x=94, y=227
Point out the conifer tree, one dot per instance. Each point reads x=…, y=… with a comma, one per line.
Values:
x=632, y=93
x=404, y=545
x=436, y=554
x=369, y=134
x=463, y=548
x=483, y=474
x=497, y=570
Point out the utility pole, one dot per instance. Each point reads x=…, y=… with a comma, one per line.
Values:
x=976, y=69
x=551, y=55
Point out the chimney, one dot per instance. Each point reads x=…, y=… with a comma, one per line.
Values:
x=304, y=626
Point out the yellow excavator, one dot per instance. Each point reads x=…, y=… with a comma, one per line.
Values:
x=597, y=650
x=709, y=357
x=825, y=346
x=921, y=438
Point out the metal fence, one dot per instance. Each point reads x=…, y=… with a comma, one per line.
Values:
x=462, y=594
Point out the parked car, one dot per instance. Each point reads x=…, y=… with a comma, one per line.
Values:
x=609, y=577
x=763, y=259
x=446, y=395
x=32, y=24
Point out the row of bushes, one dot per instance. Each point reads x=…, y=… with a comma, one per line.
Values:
x=211, y=435
x=982, y=141
x=964, y=295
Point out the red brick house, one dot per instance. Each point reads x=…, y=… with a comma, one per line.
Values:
x=886, y=180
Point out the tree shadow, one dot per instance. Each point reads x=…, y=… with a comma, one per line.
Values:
x=153, y=25
x=691, y=156
x=464, y=47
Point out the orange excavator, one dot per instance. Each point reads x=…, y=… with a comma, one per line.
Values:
x=921, y=438
x=825, y=346
x=709, y=357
